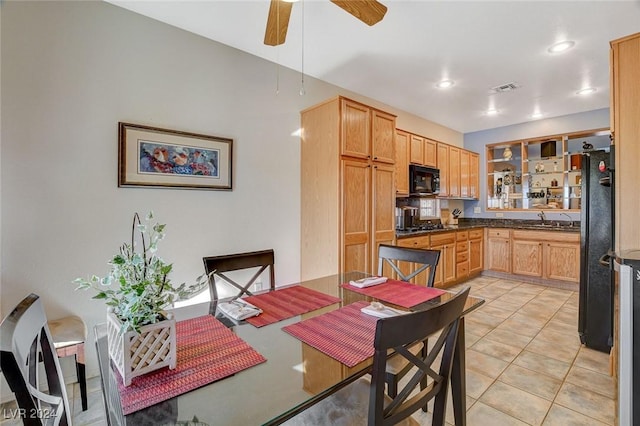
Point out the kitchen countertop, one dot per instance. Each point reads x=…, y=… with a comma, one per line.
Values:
x=463, y=224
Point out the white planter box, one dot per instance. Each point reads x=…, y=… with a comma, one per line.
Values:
x=135, y=354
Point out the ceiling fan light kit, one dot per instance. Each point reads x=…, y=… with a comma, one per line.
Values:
x=368, y=11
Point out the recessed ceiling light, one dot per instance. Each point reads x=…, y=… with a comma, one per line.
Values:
x=536, y=115
x=586, y=91
x=561, y=46
x=445, y=84
x=492, y=111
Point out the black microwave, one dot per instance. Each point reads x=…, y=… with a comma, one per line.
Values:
x=423, y=180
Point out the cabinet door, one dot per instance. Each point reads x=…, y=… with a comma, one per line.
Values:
x=355, y=130
x=438, y=280
x=356, y=184
x=402, y=163
x=562, y=261
x=443, y=165
x=430, y=153
x=475, y=255
x=464, y=173
x=448, y=259
x=527, y=258
x=383, y=137
x=498, y=254
x=474, y=175
x=454, y=171
x=416, y=150
x=383, y=208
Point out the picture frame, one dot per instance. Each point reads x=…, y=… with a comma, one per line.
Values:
x=163, y=158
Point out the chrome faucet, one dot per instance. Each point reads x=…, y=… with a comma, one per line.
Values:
x=570, y=220
x=542, y=216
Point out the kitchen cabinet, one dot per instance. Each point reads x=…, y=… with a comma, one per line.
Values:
x=476, y=251
x=421, y=242
x=499, y=250
x=474, y=176
x=625, y=110
x=430, y=153
x=462, y=255
x=402, y=163
x=443, y=166
x=416, y=150
x=347, y=186
x=454, y=172
x=465, y=173
x=446, y=270
x=549, y=255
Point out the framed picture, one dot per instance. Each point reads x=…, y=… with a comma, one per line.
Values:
x=149, y=156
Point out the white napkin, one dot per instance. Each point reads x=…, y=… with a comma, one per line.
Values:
x=379, y=310
x=368, y=282
x=239, y=309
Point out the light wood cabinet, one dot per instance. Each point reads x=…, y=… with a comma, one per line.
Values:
x=499, y=250
x=625, y=110
x=474, y=175
x=430, y=153
x=347, y=187
x=527, y=258
x=465, y=173
x=416, y=150
x=454, y=171
x=476, y=251
x=462, y=255
x=443, y=166
x=446, y=270
x=402, y=163
x=550, y=255
x=421, y=242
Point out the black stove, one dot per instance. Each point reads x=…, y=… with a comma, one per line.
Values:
x=424, y=227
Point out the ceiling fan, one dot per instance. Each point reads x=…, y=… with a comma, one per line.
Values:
x=368, y=11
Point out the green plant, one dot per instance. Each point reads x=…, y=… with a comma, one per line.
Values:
x=138, y=287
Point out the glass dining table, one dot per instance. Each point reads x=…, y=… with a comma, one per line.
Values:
x=294, y=377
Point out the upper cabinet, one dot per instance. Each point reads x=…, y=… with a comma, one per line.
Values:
x=459, y=168
x=367, y=133
x=541, y=173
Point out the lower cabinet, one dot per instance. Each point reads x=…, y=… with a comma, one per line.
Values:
x=499, y=249
x=551, y=255
x=406, y=268
x=476, y=251
x=446, y=270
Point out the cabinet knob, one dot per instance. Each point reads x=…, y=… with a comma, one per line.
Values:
x=375, y=158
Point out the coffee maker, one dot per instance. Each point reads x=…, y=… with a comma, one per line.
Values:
x=406, y=217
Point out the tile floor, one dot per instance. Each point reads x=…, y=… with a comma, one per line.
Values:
x=525, y=364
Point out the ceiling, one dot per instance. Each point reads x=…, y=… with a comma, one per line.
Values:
x=477, y=44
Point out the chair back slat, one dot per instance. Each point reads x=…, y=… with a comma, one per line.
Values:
x=24, y=341
x=428, y=259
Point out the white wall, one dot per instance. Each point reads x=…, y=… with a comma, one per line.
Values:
x=70, y=72
x=477, y=142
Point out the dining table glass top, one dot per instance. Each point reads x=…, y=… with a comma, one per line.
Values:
x=294, y=375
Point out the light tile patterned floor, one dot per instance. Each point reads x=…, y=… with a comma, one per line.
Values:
x=525, y=364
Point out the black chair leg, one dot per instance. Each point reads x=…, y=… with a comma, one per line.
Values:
x=82, y=381
x=392, y=385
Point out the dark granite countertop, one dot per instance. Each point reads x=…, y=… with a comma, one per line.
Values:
x=536, y=225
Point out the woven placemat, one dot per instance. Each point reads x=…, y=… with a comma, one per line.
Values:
x=207, y=351
x=288, y=302
x=398, y=292
x=345, y=334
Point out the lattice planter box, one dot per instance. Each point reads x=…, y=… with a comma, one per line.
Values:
x=135, y=354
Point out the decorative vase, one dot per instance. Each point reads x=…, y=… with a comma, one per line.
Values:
x=135, y=354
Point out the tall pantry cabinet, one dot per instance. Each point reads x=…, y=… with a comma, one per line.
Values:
x=347, y=187
x=625, y=130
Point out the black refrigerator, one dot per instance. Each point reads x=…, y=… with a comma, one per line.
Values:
x=595, y=314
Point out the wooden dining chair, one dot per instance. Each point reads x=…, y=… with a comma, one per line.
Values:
x=25, y=340
x=364, y=402
x=218, y=267
x=391, y=255
x=397, y=367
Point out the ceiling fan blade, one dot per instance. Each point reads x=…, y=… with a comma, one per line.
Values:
x=368, y=11
x=277, y=22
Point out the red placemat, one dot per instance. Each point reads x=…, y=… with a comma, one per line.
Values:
x=288, y=302
x=207, y=351
x=398, y=292
x=345, y=334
